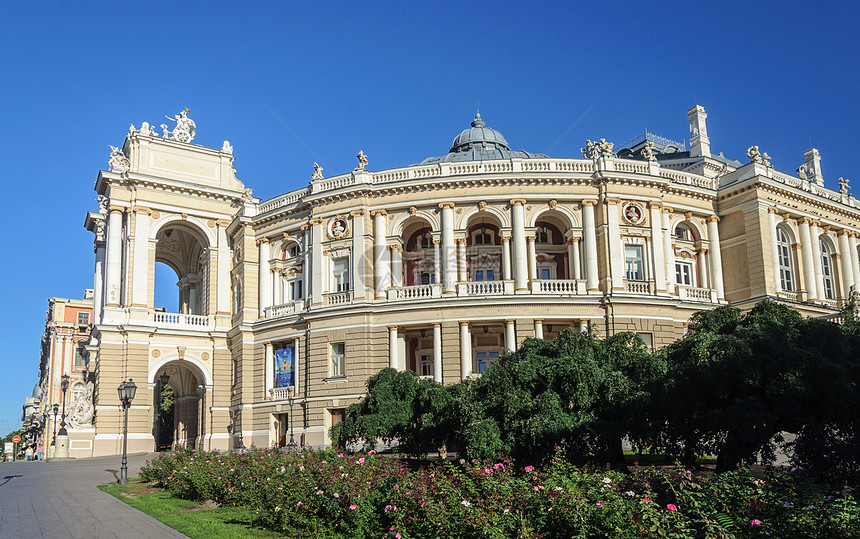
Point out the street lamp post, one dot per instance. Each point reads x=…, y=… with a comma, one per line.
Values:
x=292, y=444
x=61, y=449
x=126, y=392
x=55, y=408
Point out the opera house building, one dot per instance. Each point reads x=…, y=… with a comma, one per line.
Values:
x=436, y=267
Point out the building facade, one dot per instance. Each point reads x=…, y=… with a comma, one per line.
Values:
x=437, y=267
x=67, y=330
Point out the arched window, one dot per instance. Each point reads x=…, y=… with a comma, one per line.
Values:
x=683, y=232
x=826, y=271
x=783, y=250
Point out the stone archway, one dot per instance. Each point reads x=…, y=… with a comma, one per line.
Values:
x=180, y=421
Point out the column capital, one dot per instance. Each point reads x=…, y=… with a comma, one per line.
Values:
x=773, y=209
x=304, y=228
x=436, y=242
x=589, y=202
x=261, y=241
x=814, y=224
x=538, y=320
x=315, y=220
x=804, y=221
x=356, y=213
x=518, y=202
x=223, y=222
x=506, y=238
x=655, y=204
x=446, y=205
x=703, y=250
x=825, y=229
x=392, y=328
x=667, y=209
x=142, y=209
x=464, y=324
x=437, y=325
x=612, y=200
x=786, y=217
x=510, y=321
x=530, y=239
x=688, y=216
x=844, y=232
x=378, y=213
x=115, y=209
x=395, y=247
x=713, y=219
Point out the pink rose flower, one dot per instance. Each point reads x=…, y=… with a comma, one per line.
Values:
x=671, y=507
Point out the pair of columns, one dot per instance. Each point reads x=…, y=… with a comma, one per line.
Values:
x=811, y=256
x=396, y=361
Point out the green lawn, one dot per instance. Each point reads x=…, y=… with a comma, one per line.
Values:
x=196, y=520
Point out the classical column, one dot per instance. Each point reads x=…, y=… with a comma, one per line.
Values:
x=396, y=255
x=518, y=233
x=589, y=244
x=538, y=328
x=465, y=350
x=657, y=243
x=392, y=347
x=774, y=251
x=316, y=275
x=359, y=260
x=506, y=258
x=306, y=286
x=99, y=272
x=270, y=369
x=668, y=251
x=574, y=271
x=449, y=254
x=808, y=259
x=702, y=266
x=815, y=243
x=381, y=264
x=847, y=269
x=616, y=246
x=437, y=352
x=114, y=257
x=510, y=336
x=437, y=262
x=716, y=256
x=266, y=276
x=530, y=243
x=140, y=270
x=297, y=370
x=855, y=258
x=461, y=260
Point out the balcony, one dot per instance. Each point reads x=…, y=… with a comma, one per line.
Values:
x=421, y=291
x=285, y=309
x=638, y=287
x=558, y=287
x=337, y=298
x=194, y=322
x=485, y=288
x=703, y=295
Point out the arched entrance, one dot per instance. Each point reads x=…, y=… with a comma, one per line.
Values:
x=179, y=406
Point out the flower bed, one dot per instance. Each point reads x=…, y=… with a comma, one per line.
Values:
x=326, y=494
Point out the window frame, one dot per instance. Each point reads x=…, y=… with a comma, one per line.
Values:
x=827, y=270
x=640, y=258
x=340, y=275
x=784, y=261
x=337, y=360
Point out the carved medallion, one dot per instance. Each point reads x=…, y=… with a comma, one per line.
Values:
x=633, y=213
x=337, y=228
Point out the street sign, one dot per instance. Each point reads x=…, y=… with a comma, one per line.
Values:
x=16, y=438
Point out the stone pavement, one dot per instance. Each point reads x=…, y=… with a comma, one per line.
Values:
x=60, y=499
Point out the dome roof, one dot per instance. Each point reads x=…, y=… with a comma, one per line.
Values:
x=480, y=143
x=37, y=392
x=479, y=137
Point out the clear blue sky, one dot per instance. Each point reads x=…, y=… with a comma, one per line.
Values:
x=293, y=83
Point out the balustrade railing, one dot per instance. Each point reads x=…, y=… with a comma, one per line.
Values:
x=691, y=293
x=337, y=298
x=414, y=292
x=555, y=286
x=637, y=287
x=280, y=393
x=185, y=321
x=481, y=288
x=284, y=309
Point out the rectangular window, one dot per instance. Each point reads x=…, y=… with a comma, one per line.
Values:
x=83, y=319
x=485, y=359
x=647, y=339
x=79, y=357
x=479, y=275
x=785, y=267
x=425, y=365
x=634, y=262
x=427, y=277
x=294, y=250
x=545, y=274
x=338, y=359
x=298, y=293
x=684, y=273
x=340, y=271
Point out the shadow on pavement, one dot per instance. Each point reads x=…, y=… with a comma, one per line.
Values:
x=8, y=478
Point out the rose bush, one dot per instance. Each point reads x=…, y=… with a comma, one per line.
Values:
x=331, y=494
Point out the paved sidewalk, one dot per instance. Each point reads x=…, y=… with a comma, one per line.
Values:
x=60, y=499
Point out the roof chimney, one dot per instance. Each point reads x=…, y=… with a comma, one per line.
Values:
x=700, y=144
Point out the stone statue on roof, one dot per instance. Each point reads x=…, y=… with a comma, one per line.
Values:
x=843, y=185
x=362, y=160
x=801, y=172
x=754, y=154
x=648, y=151
x=185, y=127
x=117, y=161
x=317, y=175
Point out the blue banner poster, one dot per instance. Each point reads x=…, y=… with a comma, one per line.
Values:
x=284, y=367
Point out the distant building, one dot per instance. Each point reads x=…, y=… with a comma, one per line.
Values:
x=436, y=268
x=67, y=325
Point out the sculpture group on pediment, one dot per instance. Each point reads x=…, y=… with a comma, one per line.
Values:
x=757, y=156
x=185, y=127
x=648, y=151
x=593, y=150
x=117, y=161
